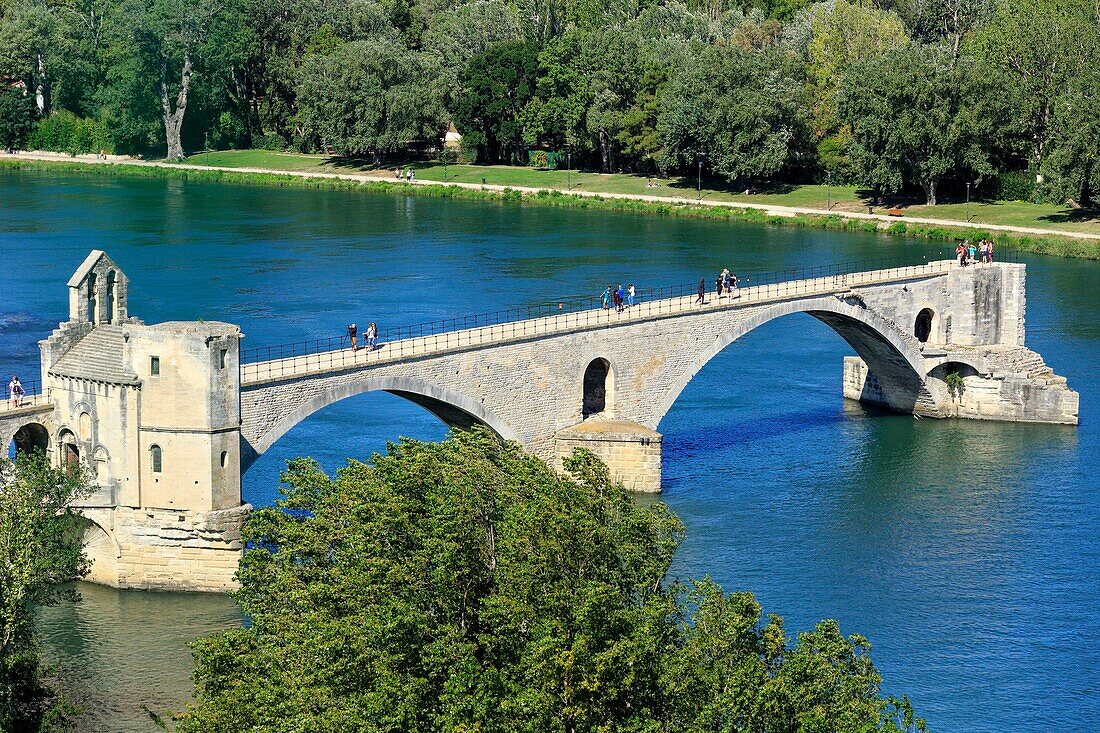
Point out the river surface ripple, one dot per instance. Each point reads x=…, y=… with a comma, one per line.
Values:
x=967, y=552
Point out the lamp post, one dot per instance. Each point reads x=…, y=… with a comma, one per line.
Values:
x=699, y=180
x=968, y=202
x=828, y=190
x=568, y=170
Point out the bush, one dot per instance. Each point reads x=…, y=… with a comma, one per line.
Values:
x=539, y=159
x=1014, y=186
x=229, y=133
x=64, y=132
x=17, y=113
x=270, y=141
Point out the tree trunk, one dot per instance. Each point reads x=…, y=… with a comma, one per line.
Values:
x=41, y=89
x=930, y=191
x=173, y=118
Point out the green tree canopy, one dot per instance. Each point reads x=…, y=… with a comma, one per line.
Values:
x=40, y=548
x=496, y=85
x=915, y=118
x=370, y=97
x=736, y=110
x=467, y=586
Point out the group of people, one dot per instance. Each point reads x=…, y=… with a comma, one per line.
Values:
x=372, y=336
x=16, y=391
x=620, y=298
x=968, y=252
x=725, y=287
x=407, y=173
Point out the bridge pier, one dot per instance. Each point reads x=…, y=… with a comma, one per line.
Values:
x=631, y=451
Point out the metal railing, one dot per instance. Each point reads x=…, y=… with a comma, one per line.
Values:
x=563, y=316
x=33, y=396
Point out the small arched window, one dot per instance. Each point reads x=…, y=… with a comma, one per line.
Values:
x=157, y=458
x=111, y=296
x=597, y=390
x=92, y=298
x=922, y=329
x=225, y=458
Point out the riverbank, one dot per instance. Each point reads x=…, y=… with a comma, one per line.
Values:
x=1028, y=239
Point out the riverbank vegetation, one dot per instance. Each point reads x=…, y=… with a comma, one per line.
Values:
x=1047, y=245
x=903, y=98
x=40, y=549
x=466, y=586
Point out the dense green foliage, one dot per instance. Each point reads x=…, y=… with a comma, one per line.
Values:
x=466, y=586
x=40, y=548
x=752, y=89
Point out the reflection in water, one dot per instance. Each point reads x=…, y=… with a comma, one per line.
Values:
x=122, y=654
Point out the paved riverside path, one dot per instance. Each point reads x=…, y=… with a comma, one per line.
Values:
x=771, y=209
x=420, y=347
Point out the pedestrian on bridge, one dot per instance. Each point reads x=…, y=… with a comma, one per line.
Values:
x=16, y=391
x=353, y=336
x=620, y=299
x=372, y=336
x=702, y=292
x=605, y=299
x=733, y=286
x=630, y=295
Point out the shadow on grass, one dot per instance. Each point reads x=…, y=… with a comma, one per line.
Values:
x=1074, y=216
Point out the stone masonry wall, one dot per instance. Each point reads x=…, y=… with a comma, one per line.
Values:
x=529, y=390
x=632, y=452
x=156, y=549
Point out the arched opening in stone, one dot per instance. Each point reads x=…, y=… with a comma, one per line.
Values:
x=156, y=458
x=91, y=298
x=599, y=388
x=30, y=438
x=69, y=456
x=102, y=465
x=111, y=296
x=923, y=327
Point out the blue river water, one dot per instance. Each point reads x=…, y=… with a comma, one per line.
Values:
x=967, y=552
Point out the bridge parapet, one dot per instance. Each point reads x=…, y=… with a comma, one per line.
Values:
x=418, y=347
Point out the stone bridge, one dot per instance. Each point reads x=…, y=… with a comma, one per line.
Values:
x=168, y=418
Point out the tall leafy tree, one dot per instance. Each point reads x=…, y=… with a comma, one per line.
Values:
x=496, y=85
x=842, y=36
x=370, y=98
x=40, y=548
x=29, y=44
x=17, y=117
x=1041, y=45
x=916, y=118
x=736, y=111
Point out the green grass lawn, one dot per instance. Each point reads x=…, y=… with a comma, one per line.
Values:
x=838, y=198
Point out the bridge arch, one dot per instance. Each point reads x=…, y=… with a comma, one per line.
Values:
x=893, y=357
x=27, y=437
x=453, y=408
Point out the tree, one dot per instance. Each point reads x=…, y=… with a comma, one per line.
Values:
x=844, y=36
x=496, y=85
x=466, y=585
x=370, y=97
x=1040, y=45
x=157, y=46
x=915, y=118
x=17, y=115
x=40, y=548
x=737, y=111
x=28, y=47
x=1072, y=169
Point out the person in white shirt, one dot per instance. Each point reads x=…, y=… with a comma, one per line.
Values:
x=16, y=391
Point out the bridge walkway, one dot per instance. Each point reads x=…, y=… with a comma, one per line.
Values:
x=257, y=374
